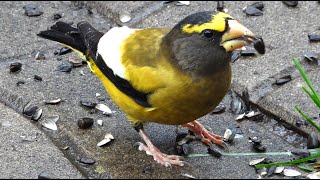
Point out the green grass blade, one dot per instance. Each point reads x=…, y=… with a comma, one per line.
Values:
x=288, y=162
x=305, y=77
x=313, y=97
x=307, y=118
x=306, y=167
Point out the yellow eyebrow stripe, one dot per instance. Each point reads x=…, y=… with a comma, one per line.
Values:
x=218, y=23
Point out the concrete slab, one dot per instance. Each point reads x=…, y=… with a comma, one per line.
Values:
x=281, y=102
x=27, y=152
x=18, y=31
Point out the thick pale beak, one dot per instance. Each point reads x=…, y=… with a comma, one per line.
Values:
x=236, y=36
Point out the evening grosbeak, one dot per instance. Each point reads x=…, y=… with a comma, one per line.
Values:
x=162, y=75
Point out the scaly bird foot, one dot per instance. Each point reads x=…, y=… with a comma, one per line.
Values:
x=206, y=136
x=161, y=158
x=150, y=149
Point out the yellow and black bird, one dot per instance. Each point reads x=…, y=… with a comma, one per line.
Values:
x=162, y=75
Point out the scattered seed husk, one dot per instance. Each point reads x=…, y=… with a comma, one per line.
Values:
x=184, y=149
x=82, y=73
x=256, y=144
x=220, y=6
x=219, y=109
x=105, y=109
x=187, y=176
x=270, y=170
x=15, y=67
x=283, y=80
x=248, y=52
x=124, y=17
x=263, y=171
x=54, y=101
x=237, y=106
x=54, y=118
x=258, y=45
x=64, y=50
x=184, y=138
x=20, y=82
x=29, y=110
x=258, y=5
x=107, y=139
x=235, y=56
x=37, y=114
x=57, y=16
x=291, y=172
x=256, y=161
x=241, y=116
x=50, y=124
x=37, y=78
x=314, y=37
x=87, y=160
x=252, y=11
x=279, y=169
x=227, y=134
x=32, y=10
x=291, y=3
x=183, y=3
x=88, y=104
x=44, y=175
x=214, y=152
x=39, y=56
x=65, y=67
x=85, y=123
x=76, y=62
x=66, y=147
x=311, y=57
x=100, y=122
x=313, y=141
x=315, y=175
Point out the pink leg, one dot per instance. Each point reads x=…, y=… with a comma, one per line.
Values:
x=164, y=159
x=206, y=136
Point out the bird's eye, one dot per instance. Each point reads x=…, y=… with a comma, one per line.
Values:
x=207, y=33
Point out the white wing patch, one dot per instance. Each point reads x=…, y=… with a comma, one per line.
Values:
x=109, y=48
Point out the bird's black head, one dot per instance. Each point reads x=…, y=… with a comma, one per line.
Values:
x=201, y=43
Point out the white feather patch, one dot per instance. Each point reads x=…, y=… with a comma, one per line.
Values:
x=109, y=48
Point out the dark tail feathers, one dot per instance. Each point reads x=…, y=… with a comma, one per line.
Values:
x=63, y=33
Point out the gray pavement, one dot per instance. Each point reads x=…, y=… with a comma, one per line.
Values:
x=283, y=29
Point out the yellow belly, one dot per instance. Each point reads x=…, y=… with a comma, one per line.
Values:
x=178, y=104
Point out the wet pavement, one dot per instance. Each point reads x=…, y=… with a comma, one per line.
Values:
x=281, y=27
